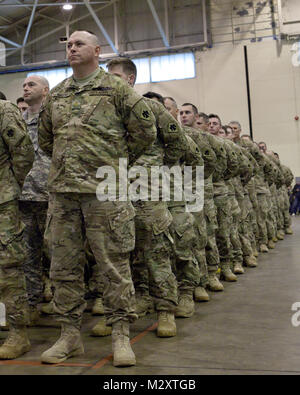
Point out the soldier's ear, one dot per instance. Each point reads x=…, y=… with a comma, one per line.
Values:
x=131, y=79
x=97, y=50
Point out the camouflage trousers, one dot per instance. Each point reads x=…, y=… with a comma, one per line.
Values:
x=186, y=264
x=109, y=229
x=151, y=260
x=224, y=219
x=244, y=227
x=253, y=220
x=263, y=215
x=250, y=210
x=272, y=217
x=237, y=253
x=286, y=207
x=93, y=275
x=199, y=249
x=36, y=263
x=12, y=256
x=211, y=249
x=281, y=205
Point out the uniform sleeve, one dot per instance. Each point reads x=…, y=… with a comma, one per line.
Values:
x=221, y=155
x=193, y=155
x=45, y=135
x=170, y=133
x=245, y=165
x=289, y=177
x=138, y=120
x=14, y=134
x=269, y=170
x=208, y=155
x=232, y=161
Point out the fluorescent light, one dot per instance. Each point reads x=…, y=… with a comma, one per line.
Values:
x=67, y=7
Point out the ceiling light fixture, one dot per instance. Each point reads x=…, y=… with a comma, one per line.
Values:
x=67, y=6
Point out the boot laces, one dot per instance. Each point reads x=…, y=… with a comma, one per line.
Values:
x=11, y=339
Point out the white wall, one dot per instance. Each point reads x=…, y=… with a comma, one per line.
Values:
x=220, y=87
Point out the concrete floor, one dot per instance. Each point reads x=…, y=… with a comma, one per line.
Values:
x=245, y=330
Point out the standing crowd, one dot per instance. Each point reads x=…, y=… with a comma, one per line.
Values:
x=59, y=238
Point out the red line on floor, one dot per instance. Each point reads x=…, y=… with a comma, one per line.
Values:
x=37, y=363
x=98, y=365
x=135, y=339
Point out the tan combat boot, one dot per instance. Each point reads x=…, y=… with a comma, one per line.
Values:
x=274, y=238
x=238, y=269
x=250, y=261
x=101, y=329
x=16, y=344
x=200, y=295
x=186, y=306
x=214, y=284
x=166, y=324
x=47, y=289
x=289, y=231
x=226, y=273
x=279, y=235
x=144, y=305
x=68, y=345
x=263, y=248
x=271, y=244
x=48, y=308
x=98, y=308
x=255, y=252
x=121, y=347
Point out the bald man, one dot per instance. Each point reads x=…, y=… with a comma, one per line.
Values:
x=88, y=122
x=34, y=199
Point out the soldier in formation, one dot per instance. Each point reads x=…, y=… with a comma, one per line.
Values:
x=146, y=254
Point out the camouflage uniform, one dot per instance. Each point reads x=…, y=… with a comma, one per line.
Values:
x=288, y=179
x=210, y=211
x=33, y=206
x=84, y=127
x=154, y=244
x=188, y=232
x=262, y=179
x=279, y=182
x=223, y=205
x=236, y=193
x=246, y=228
x=16, y=159
x=202, y=223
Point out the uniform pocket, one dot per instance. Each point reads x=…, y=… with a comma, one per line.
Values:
x=122, y=235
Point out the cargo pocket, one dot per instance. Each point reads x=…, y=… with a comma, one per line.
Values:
x=122, y=231
x=12, y=249
x=162, y=222
x=184, y=235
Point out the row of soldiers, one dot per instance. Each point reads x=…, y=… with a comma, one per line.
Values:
x=144, y=256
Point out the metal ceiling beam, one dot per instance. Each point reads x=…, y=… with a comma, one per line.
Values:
x=24, y=19
x=101, y=27
x=39, y=13
x=26, y=5
x=116, y=32
x=62, y=26
x=158, y=24
x=28, y=30
x=5, y=40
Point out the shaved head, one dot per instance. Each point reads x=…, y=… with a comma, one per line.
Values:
x=83, y=52
x=89, y=36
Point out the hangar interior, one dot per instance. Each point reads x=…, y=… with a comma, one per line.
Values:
x=236, y=58
x=218, y=34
